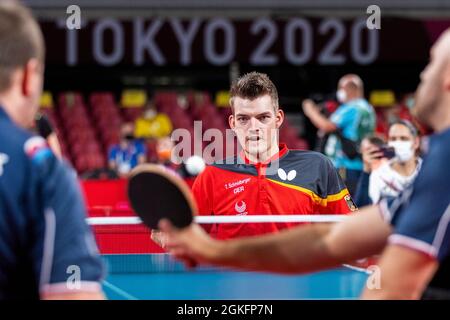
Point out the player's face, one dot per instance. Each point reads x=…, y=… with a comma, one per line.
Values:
x=430, y=91
x=126, y=134
x=256, y=125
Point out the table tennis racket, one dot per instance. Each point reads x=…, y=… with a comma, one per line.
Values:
x=156, y=192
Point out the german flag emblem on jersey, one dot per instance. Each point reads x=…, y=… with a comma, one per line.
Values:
x=350, y=203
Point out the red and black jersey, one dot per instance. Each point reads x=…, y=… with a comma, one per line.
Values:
x=292, y=182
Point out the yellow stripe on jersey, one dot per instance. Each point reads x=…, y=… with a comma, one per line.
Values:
x=316, y=198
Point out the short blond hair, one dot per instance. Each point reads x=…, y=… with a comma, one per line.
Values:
x=253, y=85
x=20, y=40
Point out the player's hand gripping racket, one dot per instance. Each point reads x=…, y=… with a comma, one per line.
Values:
x=155, y=192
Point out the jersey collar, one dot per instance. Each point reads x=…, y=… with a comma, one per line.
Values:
x=281, y=153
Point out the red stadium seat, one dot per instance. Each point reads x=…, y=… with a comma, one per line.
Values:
x=162, y=98
x=131, y=114
x=101, y=97
x=70, y=99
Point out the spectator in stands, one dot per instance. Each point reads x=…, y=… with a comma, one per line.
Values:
x=164, y=148
x=394, y=176
x=190, y=168
x=128, y=153
x=152, y=124
x=348, y=125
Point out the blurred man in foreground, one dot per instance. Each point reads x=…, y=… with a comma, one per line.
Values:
x=44, y=238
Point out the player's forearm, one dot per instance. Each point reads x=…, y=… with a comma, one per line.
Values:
x=362, y=235
x=307, y=248
x=298, y=250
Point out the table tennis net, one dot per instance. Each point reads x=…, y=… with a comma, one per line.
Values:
x=126, y=244
x=128, y=248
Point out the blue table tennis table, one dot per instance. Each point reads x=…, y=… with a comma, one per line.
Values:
x=159, y=277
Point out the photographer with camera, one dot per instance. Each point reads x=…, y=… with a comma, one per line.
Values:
x=353, y=120
x=389, y=178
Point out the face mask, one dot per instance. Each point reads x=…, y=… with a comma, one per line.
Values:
x=341, y=95
x=403, y=150
x=150, y=114
x=128, y=137
x=164, y=154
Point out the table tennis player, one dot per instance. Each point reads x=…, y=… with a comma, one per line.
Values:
x=47, y=250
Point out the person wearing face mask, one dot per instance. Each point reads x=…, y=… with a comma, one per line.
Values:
x=397, y=174
x=353, y=120
x=128, y=153
x=164, y=148
x=152, y=124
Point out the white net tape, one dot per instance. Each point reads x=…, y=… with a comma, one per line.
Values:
x=227, y=219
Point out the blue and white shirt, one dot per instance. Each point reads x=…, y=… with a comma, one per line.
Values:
x=356, y=120
x=46, y=245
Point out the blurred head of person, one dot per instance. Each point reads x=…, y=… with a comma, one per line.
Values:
x=126, y=134
x=150, y=111
x=164, y=148
x=182, y=101
x=432, y=99
x=256, y=116
x=350, y=87
x=404, y=138
x=21, y=62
